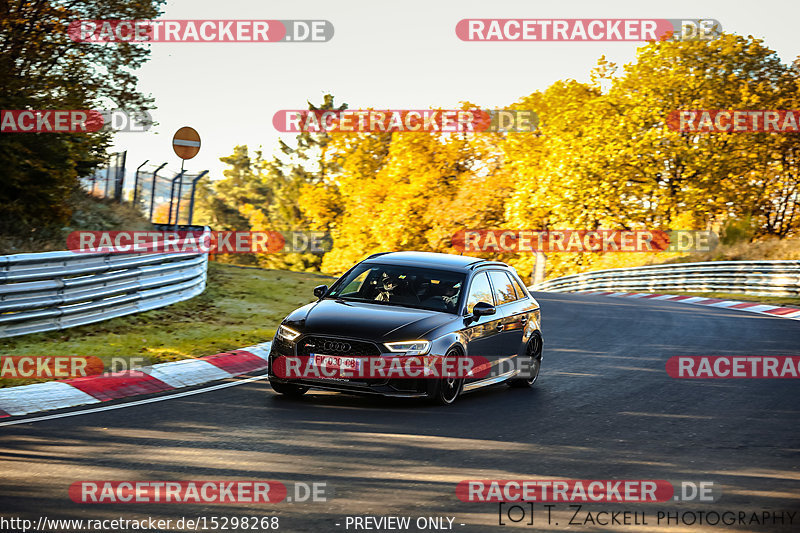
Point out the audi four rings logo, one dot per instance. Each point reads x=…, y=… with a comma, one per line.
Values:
x=336, y=346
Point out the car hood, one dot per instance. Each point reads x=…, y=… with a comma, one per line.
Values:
x=362, y=320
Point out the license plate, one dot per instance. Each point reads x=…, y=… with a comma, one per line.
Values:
x=335, y=362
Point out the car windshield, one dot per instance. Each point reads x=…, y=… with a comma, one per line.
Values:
x=423, y=288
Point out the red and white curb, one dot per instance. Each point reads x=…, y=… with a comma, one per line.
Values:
x=764, y=309
x=16, y=401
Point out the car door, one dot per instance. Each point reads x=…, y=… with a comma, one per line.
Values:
x=519, y=317
x=482, y=333
x=510, y=327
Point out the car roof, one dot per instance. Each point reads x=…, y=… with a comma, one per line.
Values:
x=430, y=259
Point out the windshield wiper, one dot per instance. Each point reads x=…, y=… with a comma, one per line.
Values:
x=392, y=304
x=365, y=300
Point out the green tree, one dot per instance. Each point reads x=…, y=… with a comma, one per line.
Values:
x=221, y=204
x=41, y=67
x=306, y=162
x=264, y=195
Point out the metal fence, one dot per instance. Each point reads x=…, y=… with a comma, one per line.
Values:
x=108, y=182
x=57, y=290
x=164, y=196
x=759, y=278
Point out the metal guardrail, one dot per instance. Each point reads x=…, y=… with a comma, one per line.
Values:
x=759, y=278
x=57, y=290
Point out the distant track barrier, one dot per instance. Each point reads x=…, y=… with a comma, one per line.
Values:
x=758, y=278
x=58, y=290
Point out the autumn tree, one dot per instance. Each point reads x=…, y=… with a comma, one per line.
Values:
x=603, y=157
x=606, y=158
x=685, y=177
x=405, y=191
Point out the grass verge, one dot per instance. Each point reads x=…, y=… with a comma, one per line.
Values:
x=240, y=307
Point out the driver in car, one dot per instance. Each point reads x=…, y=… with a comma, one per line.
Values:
x=386, y=289
x=450, y=296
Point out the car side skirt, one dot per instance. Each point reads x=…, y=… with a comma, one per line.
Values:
x=490, y=381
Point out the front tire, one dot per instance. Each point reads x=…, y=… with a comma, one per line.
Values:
x=287, y=389
x=447, y=389
x=533, y=353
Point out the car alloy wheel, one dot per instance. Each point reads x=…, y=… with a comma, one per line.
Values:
x=533, y=353
x=449, y=387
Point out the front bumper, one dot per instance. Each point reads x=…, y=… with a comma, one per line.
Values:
x=388, y=389
x=396, y=388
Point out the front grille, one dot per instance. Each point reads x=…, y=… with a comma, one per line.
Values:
x=336, y=346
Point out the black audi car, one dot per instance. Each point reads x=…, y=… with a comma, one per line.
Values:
x=412, y=304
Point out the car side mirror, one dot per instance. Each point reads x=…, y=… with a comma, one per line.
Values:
x=483, y=309
x=320, y=290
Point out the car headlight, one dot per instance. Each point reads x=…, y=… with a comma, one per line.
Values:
x=410, y=347
x=286, y=333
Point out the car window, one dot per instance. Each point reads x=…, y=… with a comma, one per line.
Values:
x=520, y=291
x=355, y=286
x=424, y=288
x=503, y=289
x=479, y=291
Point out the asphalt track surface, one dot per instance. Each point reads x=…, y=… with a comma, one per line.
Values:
x=604, y=409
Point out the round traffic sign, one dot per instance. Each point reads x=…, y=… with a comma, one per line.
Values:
x=186, y=142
